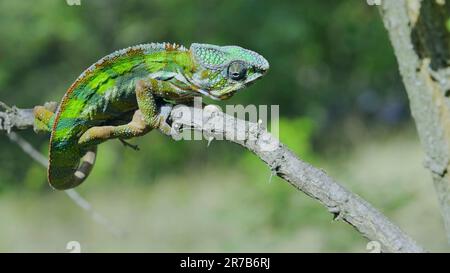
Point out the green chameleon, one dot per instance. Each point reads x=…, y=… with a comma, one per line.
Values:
x=130, y=92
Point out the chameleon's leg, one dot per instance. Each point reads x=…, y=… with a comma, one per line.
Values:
x=98, y=134
x=145, y=89
x=144, y=120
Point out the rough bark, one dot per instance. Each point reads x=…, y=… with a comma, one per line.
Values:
x=419, y=33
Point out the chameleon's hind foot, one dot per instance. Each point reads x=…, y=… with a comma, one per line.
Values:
x=98, y=134
x=127, y=144
x=43, y=117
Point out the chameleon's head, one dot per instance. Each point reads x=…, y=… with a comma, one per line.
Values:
x=220, y=71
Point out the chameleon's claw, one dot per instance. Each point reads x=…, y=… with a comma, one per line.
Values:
x=127, y=144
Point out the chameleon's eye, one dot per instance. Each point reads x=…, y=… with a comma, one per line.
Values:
x=236, y=71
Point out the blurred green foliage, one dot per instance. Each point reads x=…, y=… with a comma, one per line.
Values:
x=296, y=134
x=333, y=74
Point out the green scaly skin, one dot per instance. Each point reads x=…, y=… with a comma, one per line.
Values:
x=118, y=97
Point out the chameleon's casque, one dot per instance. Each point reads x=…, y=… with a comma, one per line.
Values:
x=120, y=97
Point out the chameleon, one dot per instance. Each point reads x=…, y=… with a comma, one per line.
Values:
x=131, y=91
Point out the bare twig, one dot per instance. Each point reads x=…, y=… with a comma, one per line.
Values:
x=314, y=182
x=420, y=38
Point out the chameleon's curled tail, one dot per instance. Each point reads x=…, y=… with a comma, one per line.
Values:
x=70, y=172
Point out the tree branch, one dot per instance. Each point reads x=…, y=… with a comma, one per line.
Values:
x=13, y=117
x=421, y=41
x=343, y=204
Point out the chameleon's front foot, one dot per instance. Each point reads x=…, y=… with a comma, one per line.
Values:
x=147, y=105
x=162, y=117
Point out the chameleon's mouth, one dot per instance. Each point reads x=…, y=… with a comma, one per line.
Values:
x=229, y=91
x=252, y=78
x=227, y=95
x=209, y=95
x=226, y=92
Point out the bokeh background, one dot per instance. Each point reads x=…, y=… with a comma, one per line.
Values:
x=342, y=104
